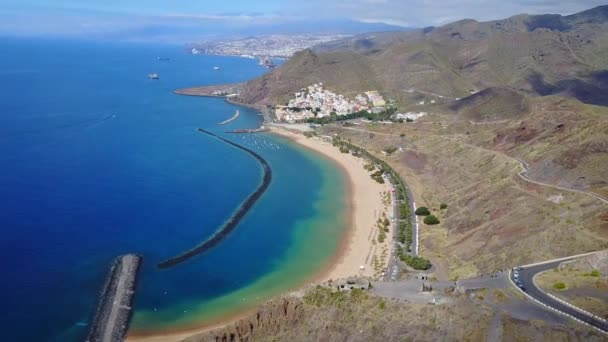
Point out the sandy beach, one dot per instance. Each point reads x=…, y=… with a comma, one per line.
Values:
x=366, y=206
x=359, y=246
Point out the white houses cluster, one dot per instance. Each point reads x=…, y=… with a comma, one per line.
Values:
x=316, y=102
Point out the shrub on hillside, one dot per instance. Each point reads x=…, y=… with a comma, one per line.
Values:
x=423, y=211
x=559, y=286
x=415, y=262
x=443, y=206
x=431, y=219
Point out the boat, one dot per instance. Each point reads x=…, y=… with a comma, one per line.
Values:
x=153, y=76
x=166, y=59
x=216, y=68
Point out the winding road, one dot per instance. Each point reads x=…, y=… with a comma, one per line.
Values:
x=525, y=168
x=524, y=165
x=523, y=279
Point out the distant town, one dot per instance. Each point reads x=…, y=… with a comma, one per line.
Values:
x=281, y=46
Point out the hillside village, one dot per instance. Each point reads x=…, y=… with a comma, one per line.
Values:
x=316, y=102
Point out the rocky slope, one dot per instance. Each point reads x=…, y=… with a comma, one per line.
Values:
x=564, y=142
x=537, y=55
x=273, y=318
x=323, y=315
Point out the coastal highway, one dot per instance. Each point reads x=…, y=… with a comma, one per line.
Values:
x=392, y=267
x=526, y=275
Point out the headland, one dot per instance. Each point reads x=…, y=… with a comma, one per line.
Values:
x=223, y=90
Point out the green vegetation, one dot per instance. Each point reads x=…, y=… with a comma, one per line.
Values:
x=381, y=236
x=383, y=228
x=404, y=234
x=559, y=285
x=595, y=273
x=384, y=115
x=443, y=206
x=423, y=211
x=431, y=220
x=377, y=176
x=323, y=296
x=417, y=263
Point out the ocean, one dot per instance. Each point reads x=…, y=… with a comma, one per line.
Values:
x=97, y=160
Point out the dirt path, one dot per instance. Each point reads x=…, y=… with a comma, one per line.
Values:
x=525, y=167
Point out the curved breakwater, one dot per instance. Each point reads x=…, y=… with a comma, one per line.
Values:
x=236, y=217
x=234, y=117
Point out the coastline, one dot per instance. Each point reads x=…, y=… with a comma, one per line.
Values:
x=364, y=204
x=223, y=91
x=354, y=245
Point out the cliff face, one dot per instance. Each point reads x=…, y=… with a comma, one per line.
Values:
x=358, y=316
x=269, y=320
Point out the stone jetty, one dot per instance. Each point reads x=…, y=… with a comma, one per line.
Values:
x=114, y=309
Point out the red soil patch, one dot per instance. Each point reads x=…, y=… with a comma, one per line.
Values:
x=414, y=160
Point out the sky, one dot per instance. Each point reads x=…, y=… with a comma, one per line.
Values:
x=188, y=19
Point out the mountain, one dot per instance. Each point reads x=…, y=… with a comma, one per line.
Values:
x=535, y=55
x=492, y=103
x=516, y=140
x=189, y=30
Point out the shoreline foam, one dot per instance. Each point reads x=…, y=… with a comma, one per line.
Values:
x=353, y=246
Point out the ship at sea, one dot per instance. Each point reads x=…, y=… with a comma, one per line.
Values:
x=153, y=76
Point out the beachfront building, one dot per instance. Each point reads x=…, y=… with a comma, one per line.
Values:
x=317, y=102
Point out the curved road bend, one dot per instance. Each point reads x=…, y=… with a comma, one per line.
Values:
x=526, y=276
x=236, y=217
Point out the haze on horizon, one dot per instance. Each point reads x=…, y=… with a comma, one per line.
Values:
x=185, y=20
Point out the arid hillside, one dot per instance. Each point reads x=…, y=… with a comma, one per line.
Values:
x=536, y=55
x=325, y=315
x=523, y=189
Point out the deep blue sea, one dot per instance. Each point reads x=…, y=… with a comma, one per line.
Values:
x=97, y=160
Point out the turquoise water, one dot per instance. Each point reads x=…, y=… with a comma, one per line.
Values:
x=97, y=160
